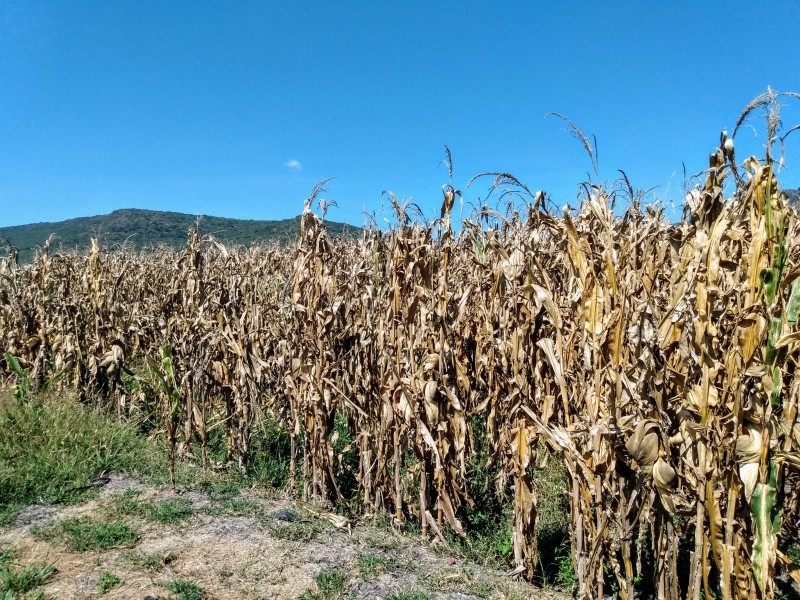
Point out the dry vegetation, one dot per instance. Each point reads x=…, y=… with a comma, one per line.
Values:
x=657, y=361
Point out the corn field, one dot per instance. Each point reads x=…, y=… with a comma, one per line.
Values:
x=656, y=360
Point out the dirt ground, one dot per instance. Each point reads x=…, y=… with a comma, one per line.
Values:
x=237, y=548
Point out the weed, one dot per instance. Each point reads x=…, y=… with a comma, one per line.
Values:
x=169, y=512
x=234, y=507
x=411, y=595
x=222, y=492
x=371, y=565
x=34, y=466
x=16, y=579
x=151, y=562
x=331, y=581
x=565, y=575
x=22, y=387
x=550, y=484
x=82, y=534
x=273, y=447
x=108, y=581
x=186, y=590
x=224, y=575
x=331, y=584
x=299, y=531
x=8, y=513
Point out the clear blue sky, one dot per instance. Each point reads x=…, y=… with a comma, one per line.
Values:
x=236, y=109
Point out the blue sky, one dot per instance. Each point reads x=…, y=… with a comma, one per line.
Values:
x=236, y=109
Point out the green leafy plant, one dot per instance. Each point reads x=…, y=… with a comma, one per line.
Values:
x=22, y=387
x=186, y=590
x=164, y=375
x=108, y=581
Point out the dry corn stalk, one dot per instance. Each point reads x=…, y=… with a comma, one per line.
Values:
x=657, y=360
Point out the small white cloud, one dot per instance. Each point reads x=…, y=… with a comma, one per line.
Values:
x=293, y=164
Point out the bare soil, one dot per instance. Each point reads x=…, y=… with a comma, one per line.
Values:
x=243, y=551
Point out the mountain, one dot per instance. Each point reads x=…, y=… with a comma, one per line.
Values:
x=793, y=197
x=149, y=228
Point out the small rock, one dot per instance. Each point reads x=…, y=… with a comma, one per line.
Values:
x=450, y=561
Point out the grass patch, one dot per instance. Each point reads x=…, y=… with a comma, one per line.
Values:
x=465, y=581
x=81, y=534
x=331, y=585
x=186, y=590
x=234, y=507
x=8, y=512
x=168, y=512
x=305, y=530
x=273, y=447
x=150, y=562
x=223, y=492
x=371, y=566
x=552, y=530
x=224, y=575
x=51, y=448
x=226, y=500
x=108, y=581
x=408, y=596
x=16, y=579
x=123, y=504
x=172, y=511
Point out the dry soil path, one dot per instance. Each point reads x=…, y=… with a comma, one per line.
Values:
x=232, y=546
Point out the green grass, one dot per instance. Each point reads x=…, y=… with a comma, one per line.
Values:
x=185, y=590
x=371, y=566
x=172, y=511
x=552, y=530
x=108, y=581
x=226, y=500
x=21, y=581
x=168, y=512
x=34, y=463
x=331, y=581
x=408, y=596
x=235, y=507
x=223, y=491
x=122, y=504
x=331, y=585
x=82, y=534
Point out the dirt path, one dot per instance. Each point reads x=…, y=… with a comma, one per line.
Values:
x=231, y=545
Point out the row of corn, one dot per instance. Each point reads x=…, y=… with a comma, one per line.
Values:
x=657, y=361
